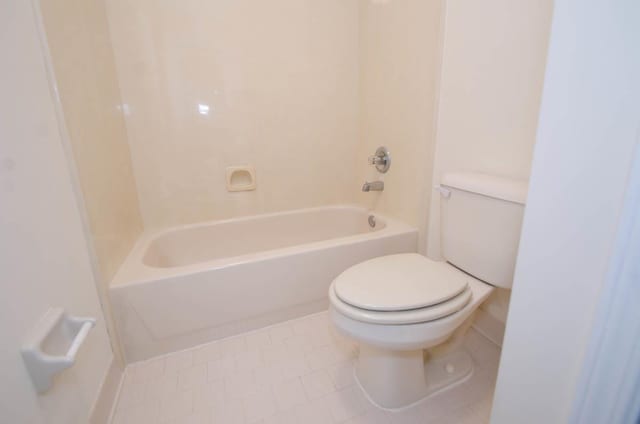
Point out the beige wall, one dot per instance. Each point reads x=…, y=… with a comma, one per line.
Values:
x=399, y=53
x=492, y=76
x=280, y=79
x=80, y=49
x=78, y=38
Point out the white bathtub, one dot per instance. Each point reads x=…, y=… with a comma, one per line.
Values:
x=189, y=285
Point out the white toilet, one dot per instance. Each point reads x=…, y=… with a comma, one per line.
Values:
x=401, y=309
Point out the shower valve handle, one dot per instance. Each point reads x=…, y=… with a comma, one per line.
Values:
x=376, y=160
x=381, y=160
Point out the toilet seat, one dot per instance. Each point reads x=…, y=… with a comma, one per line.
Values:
x=400, y=289
x=399, y=283
x=412, y=316
x=419, y=335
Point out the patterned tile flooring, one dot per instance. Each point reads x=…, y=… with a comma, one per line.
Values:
x=298, y=371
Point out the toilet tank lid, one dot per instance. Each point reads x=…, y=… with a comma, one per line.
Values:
x=509, y=189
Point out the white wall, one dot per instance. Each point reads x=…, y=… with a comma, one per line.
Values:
x=492, y=75
x=589, y=127
x=280, y=79
x=44, y=260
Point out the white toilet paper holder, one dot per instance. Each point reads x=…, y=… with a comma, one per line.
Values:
x=52, y=345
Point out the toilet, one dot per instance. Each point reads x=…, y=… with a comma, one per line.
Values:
x=408, y=313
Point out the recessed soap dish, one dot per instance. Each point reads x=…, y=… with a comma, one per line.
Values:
x=53, y=344
x=241, y=178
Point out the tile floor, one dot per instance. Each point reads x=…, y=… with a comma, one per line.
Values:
x=299, y=371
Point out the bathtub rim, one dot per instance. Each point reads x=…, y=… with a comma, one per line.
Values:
x=133, y=271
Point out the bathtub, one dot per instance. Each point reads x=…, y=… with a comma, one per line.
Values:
x=192, y=284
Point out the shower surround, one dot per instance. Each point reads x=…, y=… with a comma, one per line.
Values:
x=207, y=85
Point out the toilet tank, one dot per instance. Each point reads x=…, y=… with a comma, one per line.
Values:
x=481, y=216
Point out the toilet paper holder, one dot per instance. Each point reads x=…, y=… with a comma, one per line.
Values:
x=52, y=345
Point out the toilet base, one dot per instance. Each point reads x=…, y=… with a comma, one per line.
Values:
x=395, y=380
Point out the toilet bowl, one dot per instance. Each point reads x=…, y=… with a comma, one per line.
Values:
x=408, y=313
x=393, y=332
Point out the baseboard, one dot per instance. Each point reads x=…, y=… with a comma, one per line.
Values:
x=489, y=326
x=105, y=403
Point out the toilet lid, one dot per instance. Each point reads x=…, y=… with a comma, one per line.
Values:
x=399, y=283
x=413, y=316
